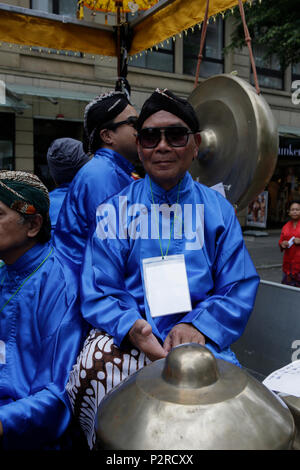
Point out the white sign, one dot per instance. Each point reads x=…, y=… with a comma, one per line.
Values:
x=285, y=380
x=166, y=285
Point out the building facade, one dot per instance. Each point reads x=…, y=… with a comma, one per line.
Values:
x=44, y=93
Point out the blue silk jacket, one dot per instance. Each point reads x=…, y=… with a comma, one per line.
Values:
x=106, y=174
x=41, y=332
x=221, y=276
x=57, y=197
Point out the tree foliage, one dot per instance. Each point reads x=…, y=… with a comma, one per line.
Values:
x=275, y=24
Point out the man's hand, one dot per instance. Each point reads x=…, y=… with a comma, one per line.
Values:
x=142, y=337
x=297, y=241
x=183, y=333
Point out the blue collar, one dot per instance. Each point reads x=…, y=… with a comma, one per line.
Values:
x=169, y=197
x=115, y=158
x=29, y=260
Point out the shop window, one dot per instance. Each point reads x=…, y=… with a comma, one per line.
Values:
x=7, y=141
x=160, y=58
x=59, y=7
x=295, y=72
x=269, y=71
x=285, y=182
x=45, y=132
x=213, y=60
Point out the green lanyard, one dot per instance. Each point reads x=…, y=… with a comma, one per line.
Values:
x=20, y=287
x=157, y=225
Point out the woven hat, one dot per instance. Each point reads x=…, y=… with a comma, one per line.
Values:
x=26, y=194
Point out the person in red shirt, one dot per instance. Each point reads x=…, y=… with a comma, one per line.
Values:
x=289, y=242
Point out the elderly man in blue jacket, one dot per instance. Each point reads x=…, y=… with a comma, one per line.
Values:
x=41, y=328
x=166, y=265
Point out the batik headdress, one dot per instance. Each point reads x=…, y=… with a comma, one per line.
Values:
x=165, y=100
x=24, y=192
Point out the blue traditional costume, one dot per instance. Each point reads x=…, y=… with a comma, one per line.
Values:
x=57, y=197
x=221, y=276
x=40, y=336
x=65, y=157
x=106, y=174
x=41, y=332
x=146, y=222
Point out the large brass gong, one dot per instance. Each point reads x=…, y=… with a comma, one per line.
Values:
x=239, y=138
x=191, y=400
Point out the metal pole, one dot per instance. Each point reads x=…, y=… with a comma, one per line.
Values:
x=119, y=4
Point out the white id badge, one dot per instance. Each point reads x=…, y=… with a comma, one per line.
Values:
x=166, y=285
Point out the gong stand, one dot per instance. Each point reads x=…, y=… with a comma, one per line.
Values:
x=119, y=5
x=247, y=39
x=124, y=35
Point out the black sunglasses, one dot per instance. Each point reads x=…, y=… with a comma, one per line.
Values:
x=131, y=121
x=176, y=136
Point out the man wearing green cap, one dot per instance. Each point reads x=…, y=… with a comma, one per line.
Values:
x=40, y=324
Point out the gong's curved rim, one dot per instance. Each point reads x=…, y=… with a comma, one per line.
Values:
x=244, y=160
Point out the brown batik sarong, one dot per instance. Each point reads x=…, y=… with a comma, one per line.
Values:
x=99, y=368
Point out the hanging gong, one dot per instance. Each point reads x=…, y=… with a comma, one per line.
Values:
x=239, y=145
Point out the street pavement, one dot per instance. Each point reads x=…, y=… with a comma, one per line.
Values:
x=265, y=253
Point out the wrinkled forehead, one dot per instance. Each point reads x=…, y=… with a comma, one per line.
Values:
x=163, y=119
